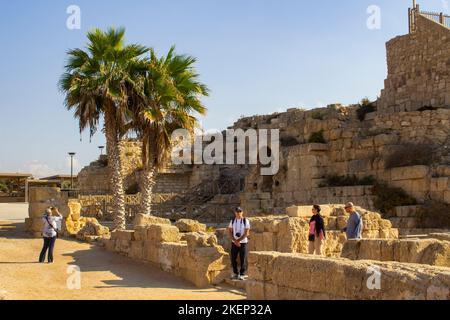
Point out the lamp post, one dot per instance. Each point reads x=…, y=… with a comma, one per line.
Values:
x=71, y=154
x=101, y=149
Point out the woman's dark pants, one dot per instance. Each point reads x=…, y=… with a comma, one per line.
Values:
x=49, y=244
x=240, y=252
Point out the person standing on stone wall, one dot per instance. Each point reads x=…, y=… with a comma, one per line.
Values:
x=316, y=231
x=355, y=224
x=51, y=218
x=239, y=230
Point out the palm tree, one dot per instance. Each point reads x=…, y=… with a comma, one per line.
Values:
x=101, y=81
x=172, y=99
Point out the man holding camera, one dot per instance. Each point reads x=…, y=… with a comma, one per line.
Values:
x=239, y=230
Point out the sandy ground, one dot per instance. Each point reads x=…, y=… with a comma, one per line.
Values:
x=104, y=275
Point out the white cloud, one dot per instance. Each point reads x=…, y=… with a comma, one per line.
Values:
x=38, y=170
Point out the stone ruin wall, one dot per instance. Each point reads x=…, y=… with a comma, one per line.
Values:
x=418, y=69
x=425, y=251
x=417, y=77
x=285, y=276
x=352, y=147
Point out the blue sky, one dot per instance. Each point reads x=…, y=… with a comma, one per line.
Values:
x=256, y=56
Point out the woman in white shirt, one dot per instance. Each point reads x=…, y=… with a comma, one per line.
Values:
x=51, y=218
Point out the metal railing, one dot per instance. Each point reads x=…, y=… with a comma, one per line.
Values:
x=438, y=17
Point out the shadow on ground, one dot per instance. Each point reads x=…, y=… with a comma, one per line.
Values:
x=130, y=272
x=13, y=230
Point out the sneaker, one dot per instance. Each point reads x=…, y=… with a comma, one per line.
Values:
x=235, y=276
x=241, y=278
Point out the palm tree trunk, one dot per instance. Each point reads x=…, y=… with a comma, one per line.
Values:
x=147, y=184
x=116, y=178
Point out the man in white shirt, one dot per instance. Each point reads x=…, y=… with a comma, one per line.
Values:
x=239, y=230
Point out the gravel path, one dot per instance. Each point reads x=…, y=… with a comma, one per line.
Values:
x=104, y=275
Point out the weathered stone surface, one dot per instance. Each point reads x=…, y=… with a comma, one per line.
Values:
x=282, y=276
x=409, y=173
x=306, y=211
x=146, y=220
x=127, y=235
x=163, y=233
x=187, y=225
x=201, y=239
x=44, y=194
x=424, y=251
x=92, y=230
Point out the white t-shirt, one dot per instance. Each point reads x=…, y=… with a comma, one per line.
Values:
x=239, y=227
x=48, y=231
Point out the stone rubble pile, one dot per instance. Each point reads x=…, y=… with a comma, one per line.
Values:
x=194, y=256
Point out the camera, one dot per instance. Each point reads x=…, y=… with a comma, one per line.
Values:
x=238, y=235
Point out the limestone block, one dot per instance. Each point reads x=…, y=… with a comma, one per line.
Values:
x=37, y=209
x=306, y=211
x=109, y=244
x=255, y=290
x=447, y=196
x=122, y=246
x=42, y=194
x=341, y=222
x=409, y=173
x=137, y=250
x=163, y=233
x=385, y=139
x=140, y=233
x=93, y=228
x=127, y=235
x=187, y=225
x=74, y=209
x=269, y=241
x=439, y=184
x=145, y=220
x=36, y=225
x=201, y=239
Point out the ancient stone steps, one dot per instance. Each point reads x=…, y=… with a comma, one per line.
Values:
x=240, y=284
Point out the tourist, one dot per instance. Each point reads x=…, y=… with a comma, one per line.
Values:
x=355, y=224
x=316, y=231
x=239, y=230
x=51, y=218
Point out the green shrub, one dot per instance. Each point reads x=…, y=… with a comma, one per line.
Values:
x=317, y=137
x=318, y=115
x=435, y=214
x=3, y=187
x=350, y=180
x=410, y=155
x=387, y=197
x=364, y=108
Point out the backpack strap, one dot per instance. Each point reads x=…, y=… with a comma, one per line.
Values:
x=51, y=226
